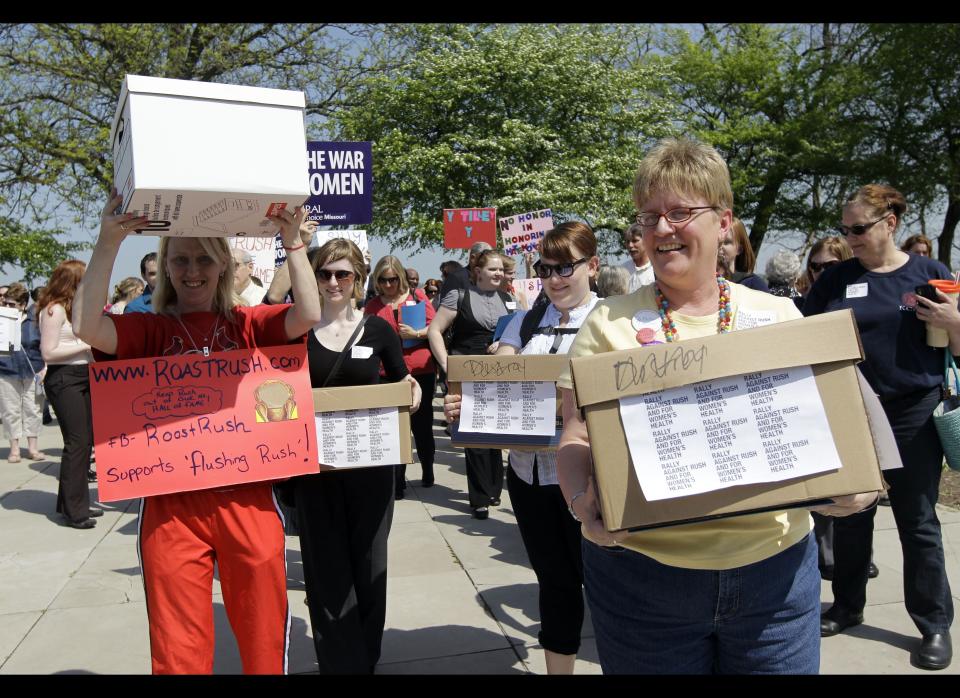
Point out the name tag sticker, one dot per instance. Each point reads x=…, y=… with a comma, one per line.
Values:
x=857, y=290
x=755, y=318
x=359, y=352
x=511, y=305
x=410, y=303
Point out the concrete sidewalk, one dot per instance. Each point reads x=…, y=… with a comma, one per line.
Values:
x=461, y=595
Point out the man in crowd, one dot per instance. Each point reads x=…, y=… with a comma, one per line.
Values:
x=413, y=278
x=639, y=267
x=243, y=278
x=148, y=270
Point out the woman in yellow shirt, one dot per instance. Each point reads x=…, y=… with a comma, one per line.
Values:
x=735, y=595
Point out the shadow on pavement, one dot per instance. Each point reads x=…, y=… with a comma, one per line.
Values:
x=503, y=536
x=434, y=650
x=32, y=502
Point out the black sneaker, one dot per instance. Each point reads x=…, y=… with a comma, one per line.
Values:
x=481, y=513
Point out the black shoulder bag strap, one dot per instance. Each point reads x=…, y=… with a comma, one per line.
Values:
x=343, y=354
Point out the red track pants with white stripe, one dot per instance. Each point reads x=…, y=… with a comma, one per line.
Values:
x=181, y=536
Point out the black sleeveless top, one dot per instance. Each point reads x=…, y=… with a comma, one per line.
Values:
x=469, y=336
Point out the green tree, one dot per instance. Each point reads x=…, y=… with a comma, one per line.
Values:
x=59, y=85
x=517, y=117
x=914, y=118
x=36, y=252
x=774, y=101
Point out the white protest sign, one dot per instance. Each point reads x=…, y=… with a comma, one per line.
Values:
x=525, y=408
x=530, y=288
x=267, y=255
x=359, y=438
x=9, y=330
x=357, y=237
x=522, y=232
x=740, y=430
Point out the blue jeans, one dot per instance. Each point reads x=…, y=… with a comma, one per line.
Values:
x=652, y=618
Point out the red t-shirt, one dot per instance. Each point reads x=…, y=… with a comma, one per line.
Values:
x=147, y=334
x=418, y=359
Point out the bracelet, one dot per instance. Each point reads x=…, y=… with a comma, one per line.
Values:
x=570, y=505
x=298, y=247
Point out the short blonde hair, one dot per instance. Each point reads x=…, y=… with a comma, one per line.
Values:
x=165, y=296
x=684, y=166
x=340, y=248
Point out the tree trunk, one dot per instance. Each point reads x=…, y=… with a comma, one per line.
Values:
x=766, y=203
x=950, y=220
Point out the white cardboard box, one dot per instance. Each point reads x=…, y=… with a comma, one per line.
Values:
x=208, y=160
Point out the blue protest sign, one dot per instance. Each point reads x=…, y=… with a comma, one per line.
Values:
x=341, y=183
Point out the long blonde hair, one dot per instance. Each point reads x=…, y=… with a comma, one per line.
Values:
x=165, y=296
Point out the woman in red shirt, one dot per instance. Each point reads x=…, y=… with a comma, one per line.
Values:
x=182, y=534
x=393, y=295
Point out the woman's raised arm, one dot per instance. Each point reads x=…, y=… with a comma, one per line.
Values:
x=89, y=322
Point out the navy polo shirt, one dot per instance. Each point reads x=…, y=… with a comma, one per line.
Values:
x=898, y=360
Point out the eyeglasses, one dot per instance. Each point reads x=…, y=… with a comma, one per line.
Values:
x=10, y=304
x=385, y=280
x=339, y=274
x=649, y=219
x=544, y=271
x=859, y=228
x=817, y=267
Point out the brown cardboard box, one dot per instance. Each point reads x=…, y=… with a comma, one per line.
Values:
x=364, y=396
x=485, y=367
x=829, y=343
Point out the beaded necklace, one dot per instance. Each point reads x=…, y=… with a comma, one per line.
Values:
x=724, y=313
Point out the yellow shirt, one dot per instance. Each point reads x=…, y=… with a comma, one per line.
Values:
x=712, y=545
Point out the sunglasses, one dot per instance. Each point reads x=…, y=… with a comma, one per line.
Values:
x=388, y=280
x=10, y=304
x=544, y=271
x=817, y=267
x=339, y=274
x=859, y=228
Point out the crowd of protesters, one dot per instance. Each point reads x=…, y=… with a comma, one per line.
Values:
x=653, y=595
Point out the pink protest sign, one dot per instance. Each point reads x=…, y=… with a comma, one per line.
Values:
x=192, y=422
x=522, y=232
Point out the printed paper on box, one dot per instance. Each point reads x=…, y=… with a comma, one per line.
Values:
x=521, y=408
x=189, y=422
x=740, y=430
x=359, y=438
